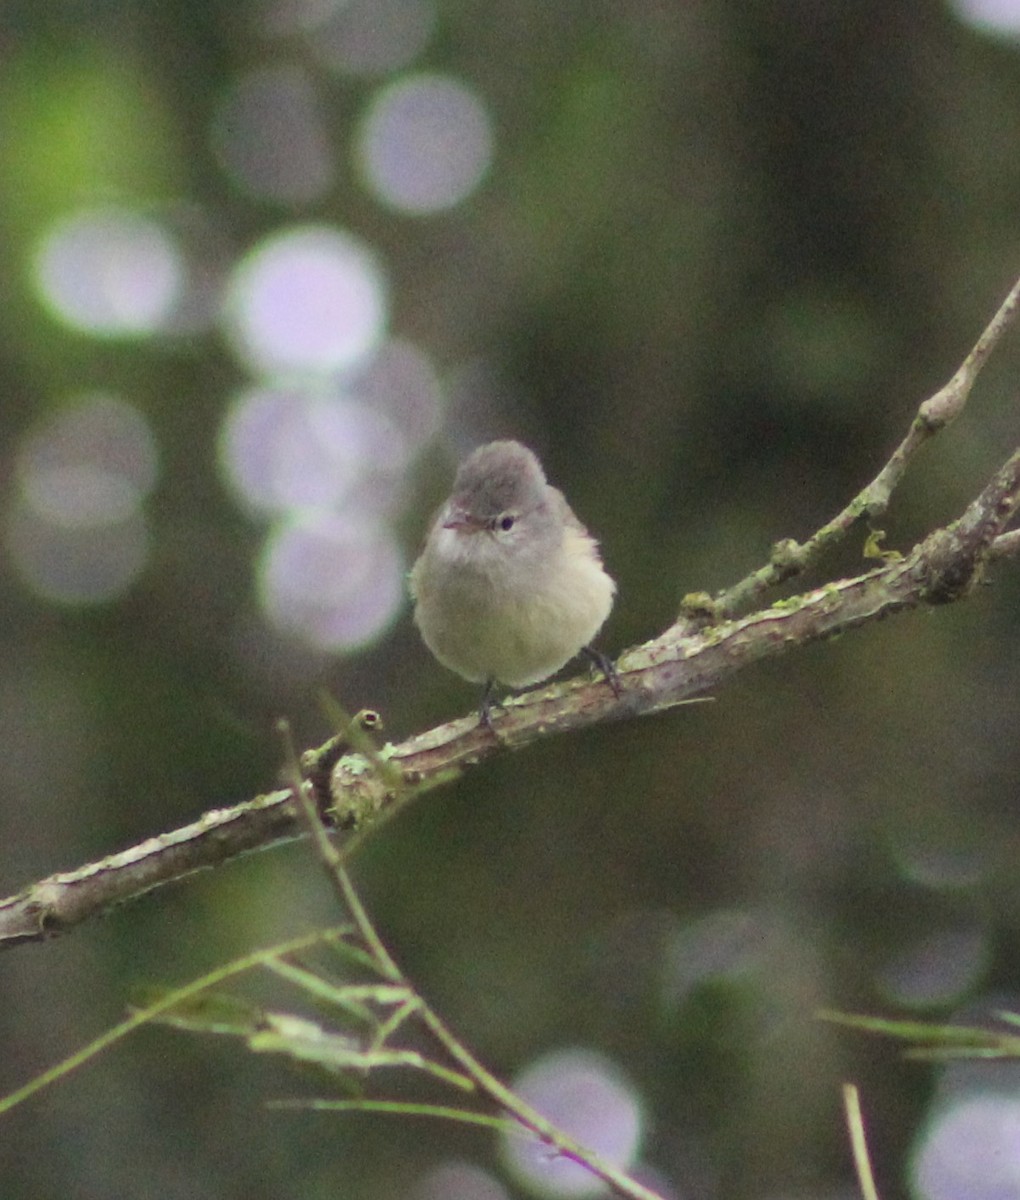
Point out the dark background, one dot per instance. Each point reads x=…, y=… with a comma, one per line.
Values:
x=723, y=252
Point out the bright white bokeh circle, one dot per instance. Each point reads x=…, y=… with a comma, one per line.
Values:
x=110, y=272
x=312, y=299
x=1000, y=17
x=971, y=1149
x=287, y=448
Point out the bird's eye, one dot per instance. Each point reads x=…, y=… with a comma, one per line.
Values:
x=506, y=523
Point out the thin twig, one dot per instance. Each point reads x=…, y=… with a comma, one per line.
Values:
x=790, y=558
x=858, y=1142
x=1004, y=546
x=484, y=1080
x=142, y=1016
x=530, y=1118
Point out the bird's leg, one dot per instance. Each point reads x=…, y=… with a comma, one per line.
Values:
x=606, y=666
x=485, y=708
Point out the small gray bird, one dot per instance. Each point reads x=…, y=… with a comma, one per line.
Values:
x=510, y=585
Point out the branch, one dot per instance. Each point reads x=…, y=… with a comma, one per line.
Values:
x=661, y=674
x=358, y=789
x=790, y=558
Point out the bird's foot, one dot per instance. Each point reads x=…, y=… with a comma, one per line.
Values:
x=606, y=666
x=488, y=703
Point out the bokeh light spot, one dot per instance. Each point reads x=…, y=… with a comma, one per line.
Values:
x=372, y=37
x=942, y=859
x=76, y=531
x=584, y=1094
x=724, y=944
x=90, y=564
x=336, y=581
x=939, y=968
x=311, y=299
x=109, y=272
x=269, y=136
x=970, y=1149
x=285, y=448
x=425, y=144
x=91, y=462
x=401, y=382
x=459, y=1181
x=994, y=16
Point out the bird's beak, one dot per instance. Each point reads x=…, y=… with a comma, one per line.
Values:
x=461, y=519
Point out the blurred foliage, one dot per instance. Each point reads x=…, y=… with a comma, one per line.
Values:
x=725, y=250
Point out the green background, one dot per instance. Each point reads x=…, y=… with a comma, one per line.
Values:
x=724, y=251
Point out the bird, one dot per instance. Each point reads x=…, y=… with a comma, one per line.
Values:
x=509, y=585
